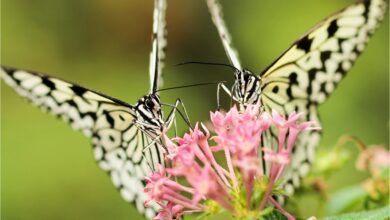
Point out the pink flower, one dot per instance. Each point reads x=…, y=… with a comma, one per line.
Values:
x=265, y=121
x=160, y=187
x=169, y=212
x=287, y=129
x=282, y=124
x=208, y=185
x=281, y=157
x=374, y=159
x=225, y=124
x=238, y=139
x=297, y=128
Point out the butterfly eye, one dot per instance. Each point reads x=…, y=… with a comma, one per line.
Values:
x=149, y=103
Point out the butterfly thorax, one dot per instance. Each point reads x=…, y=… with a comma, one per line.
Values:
x=246, y=89
x=149, y=114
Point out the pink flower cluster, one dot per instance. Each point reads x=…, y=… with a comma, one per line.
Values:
x=209, y=184
x=374, y=159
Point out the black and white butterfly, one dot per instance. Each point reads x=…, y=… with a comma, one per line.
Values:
x=304, y=75
x=125, y=137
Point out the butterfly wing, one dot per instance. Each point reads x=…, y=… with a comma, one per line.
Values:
x=308, y=71
x=312, y=67
x=117, y=141
x=215, y=10
x=159, y=44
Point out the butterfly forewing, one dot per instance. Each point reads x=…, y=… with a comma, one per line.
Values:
x=217, y=16
x=159, y=44
x=117, y=141
x=313, y=66
x=309, y=71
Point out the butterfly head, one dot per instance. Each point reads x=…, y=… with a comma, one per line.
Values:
x=149, y=112
x=246, y=89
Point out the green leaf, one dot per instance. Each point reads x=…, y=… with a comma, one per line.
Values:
x=346, y=198
x=385, y=173
x=330, y=161
x=275, y=215
x=375, y=214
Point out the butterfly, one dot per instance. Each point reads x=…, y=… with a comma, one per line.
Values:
x=125, y=137
x=304, y=75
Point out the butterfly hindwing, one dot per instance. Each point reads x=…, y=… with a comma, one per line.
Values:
x=117, y=140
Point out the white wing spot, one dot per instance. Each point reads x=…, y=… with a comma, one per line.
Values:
x=29, y=83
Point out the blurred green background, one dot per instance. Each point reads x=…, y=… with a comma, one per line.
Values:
x=47, y=170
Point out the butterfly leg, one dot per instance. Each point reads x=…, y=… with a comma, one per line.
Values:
x=224, y=87
x=172, y=118
x=175, y=108
x=175, y=126
x=154, y=141
x=227, y=91
x=187, y=118
x=148, y=142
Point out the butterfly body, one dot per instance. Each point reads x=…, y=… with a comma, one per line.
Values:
x=149, y=115
x=247, y=87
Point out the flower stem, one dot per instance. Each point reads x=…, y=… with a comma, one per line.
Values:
x=273, y=175
x=345, y=138
x=230, y=167
x=284, y=212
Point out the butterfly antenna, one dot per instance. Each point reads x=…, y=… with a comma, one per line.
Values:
x=209, y=63
x=191, y=85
